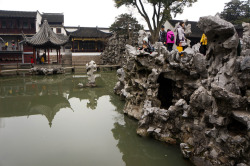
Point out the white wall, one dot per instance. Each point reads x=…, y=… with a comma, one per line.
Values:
x=38, y=21
x=62, y=30
x=71, y=29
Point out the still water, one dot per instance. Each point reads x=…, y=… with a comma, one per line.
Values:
x=49, y=121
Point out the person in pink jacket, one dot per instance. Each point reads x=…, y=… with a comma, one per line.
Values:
x=170, y=40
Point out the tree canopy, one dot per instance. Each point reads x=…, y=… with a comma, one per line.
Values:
x=125, y=24
x=236, y=11
x=161, y=9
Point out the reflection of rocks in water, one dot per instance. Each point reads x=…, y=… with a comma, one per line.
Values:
x=140, y=151
x=92, y=100
x=48, y=106
x=2, y=125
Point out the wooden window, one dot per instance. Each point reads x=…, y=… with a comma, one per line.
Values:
x=32, y=25
x=11, y=24
x=25, y=25
x=18, y=24
x=4, y=24
x=58, y=30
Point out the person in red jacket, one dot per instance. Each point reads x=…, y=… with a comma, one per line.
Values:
x=170, y=40
x=32, y=61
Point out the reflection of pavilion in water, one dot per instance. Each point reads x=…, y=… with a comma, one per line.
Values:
x=47, y=95
x=49, y=106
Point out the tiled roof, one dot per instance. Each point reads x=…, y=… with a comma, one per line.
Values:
x=46, y=38
x=17, y=14
x=88, y=32
x=196, y=32
x=53, y=17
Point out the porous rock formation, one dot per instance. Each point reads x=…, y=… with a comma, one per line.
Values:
x=114, y=52
x=200, y=102
x=40, y=70
x=91, y=68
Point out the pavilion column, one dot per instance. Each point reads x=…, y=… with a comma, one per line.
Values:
x=34, y=55
x=60, y=58
x=48, y=55
x=57, y=56
x=96, y=45
x=78, y=45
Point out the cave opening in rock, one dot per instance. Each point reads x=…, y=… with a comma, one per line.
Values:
x=237, y=128
x=165, y=92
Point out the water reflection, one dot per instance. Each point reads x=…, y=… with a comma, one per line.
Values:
x=33, y=95
x=48, y=106
x=66, y=125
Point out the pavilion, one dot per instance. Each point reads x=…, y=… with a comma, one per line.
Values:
x=46, y=39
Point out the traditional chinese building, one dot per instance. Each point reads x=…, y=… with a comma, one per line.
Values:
x=56, y=22
x=88, y=39
x=15, y=23
x=87, y=43
x=12, y=25
x=45, y=40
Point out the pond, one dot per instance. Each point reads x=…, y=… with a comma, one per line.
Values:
x=50, y=121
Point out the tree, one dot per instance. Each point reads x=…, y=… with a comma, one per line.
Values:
x=161, y=9
x=236, y=11
x=125, y=24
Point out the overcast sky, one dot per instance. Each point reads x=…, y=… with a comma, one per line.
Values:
x=102, y=13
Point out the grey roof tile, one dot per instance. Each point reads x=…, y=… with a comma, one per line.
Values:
x=88, y=32
x=46, y=37
x=17, y=14
x=53, y=17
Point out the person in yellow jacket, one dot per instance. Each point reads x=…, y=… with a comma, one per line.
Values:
x=203, y=44
x=6, y=45
x=42, y=60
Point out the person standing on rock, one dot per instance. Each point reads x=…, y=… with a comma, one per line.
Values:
x=162, y=35
x=203, y=42
x=181, y=39
x=170, y=40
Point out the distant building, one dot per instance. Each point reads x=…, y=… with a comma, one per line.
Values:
x=12, y=25
x=85, y=42
x=15, y=24
x=88, y=39
x=56, y=22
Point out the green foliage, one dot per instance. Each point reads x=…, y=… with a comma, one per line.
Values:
x=125, y=24
x=236, y=11
x=162, y=10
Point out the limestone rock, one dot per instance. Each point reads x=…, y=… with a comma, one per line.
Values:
x=91, y=68
x=203, y=101
x=243, y=117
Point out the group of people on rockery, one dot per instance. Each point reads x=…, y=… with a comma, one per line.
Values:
x=168, y=39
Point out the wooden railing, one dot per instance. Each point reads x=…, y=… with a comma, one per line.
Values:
x=11, y=48
x=17, y=31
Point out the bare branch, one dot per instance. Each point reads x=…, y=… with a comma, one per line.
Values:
x=143, y=14
x=158, y=15
x=154, y=14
